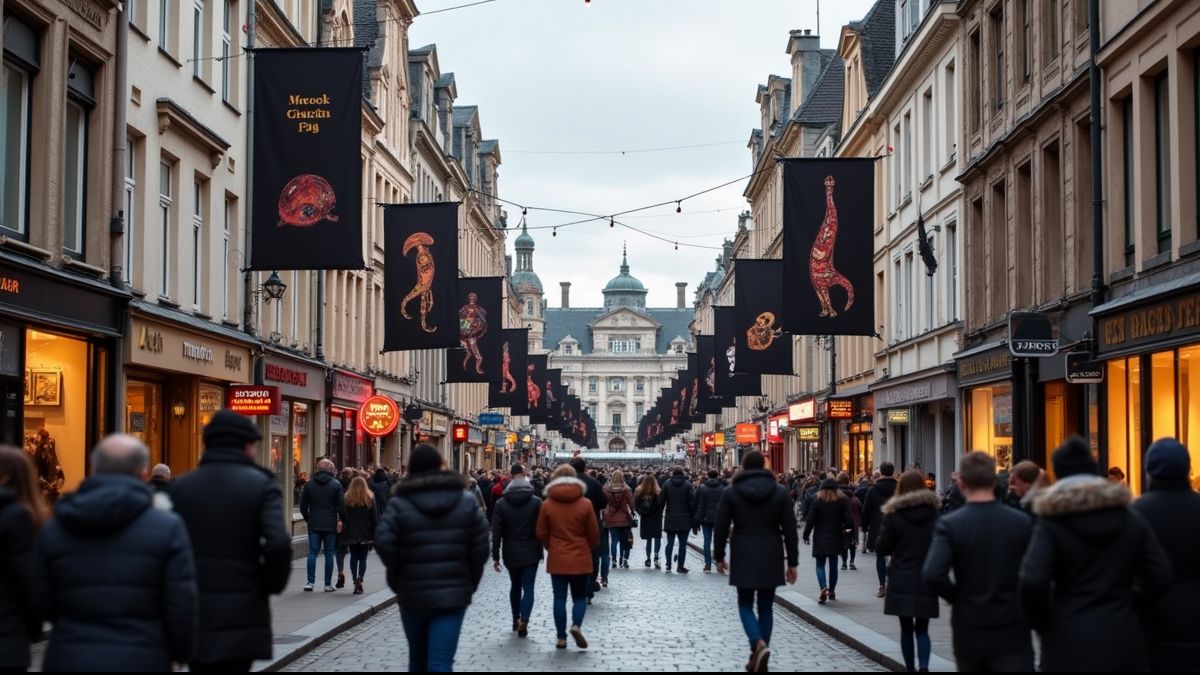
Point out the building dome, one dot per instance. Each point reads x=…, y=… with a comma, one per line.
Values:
x=526, y=282
x=523, y=240
x=524, y=279
x=624, y=290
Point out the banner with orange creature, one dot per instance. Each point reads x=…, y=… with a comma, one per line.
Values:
x=420, y=277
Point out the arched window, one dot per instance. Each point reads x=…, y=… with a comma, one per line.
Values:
x=616, y=445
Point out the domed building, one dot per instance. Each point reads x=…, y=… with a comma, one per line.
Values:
x=615, y=358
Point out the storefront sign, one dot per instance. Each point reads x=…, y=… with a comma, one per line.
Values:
x=294, y=379
x=1081, y=369
x=905, y=393
x=349, y=387
x=720, y=438
x=253, y=400
x=808, y=433
x=898, y=417
x=839, y=409
x=748, y=433
x=773, y=424
x=474, y=435
x=992, y=365
x=1160, y=321
x=709, y=441
x=44, y=296
x=163, y=347
x=860, y=428
x=440, y=423
x=10, y=285
x=1031, y=335
x=491, y=418
x=379, y=416
x=802, y=411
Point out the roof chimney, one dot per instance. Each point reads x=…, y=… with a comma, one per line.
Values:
x=804, y=48
x=566, y=294
x=681, y=294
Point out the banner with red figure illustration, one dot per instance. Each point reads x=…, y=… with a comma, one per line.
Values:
x=478, y=357
x=420, y=277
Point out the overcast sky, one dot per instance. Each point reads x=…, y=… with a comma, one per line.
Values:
x=562, y=76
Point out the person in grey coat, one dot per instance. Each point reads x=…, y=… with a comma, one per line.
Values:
x=323, y=507
x=514, y=519
x=677, y=499
x=113, y=571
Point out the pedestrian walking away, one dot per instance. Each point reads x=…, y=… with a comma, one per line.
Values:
x=755, y=516
x=1091, y=564
x=323, y=507
x=677, y=499
x=1172, y=509
x=514, y=532
x=233, y=510
x=651, y=520
x=568, y=529
x=872, y=517
x=904, y=535
x=618, y=519
x=595, y=495
x=973, y=562
x=708, y=498
x=22, y=512
x=141, y=614
x=850, y=547
x=362, y=517
x=433, y=540
x=826, y=526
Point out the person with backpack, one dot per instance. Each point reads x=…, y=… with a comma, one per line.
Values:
x=708, y=498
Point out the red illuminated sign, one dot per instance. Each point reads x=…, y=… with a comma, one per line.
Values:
x=840, y=409
x=748, y=433
x=460, y=433
x=379, y=415
x=252, y=400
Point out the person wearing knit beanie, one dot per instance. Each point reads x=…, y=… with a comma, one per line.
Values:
x=228, y=429
x=1167, y=460
x=425, y=458
x=1073, y=458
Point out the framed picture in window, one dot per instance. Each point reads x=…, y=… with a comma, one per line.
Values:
x=28, y=387
x=47, y=387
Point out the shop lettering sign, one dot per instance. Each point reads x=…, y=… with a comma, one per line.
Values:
x=720, y=438
x=252, y=400
x=233, y=361
x=748, y=433
x=352, y=388
x=197, y=352
x=1081, y=369
x=282, y=375
x=10, y=285
x=1164, y=320
x=802, y=410
x=1031, y=335
x=89, y=11
x=839, y=409
x=379, y=416
x=150, y=340
x=898, y=417
x=984, y=367
x=906, y=393
x=808, y=433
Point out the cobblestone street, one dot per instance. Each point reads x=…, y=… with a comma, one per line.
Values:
x=645, y=621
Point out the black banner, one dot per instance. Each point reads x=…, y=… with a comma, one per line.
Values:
x=479, y=320
x=828, y=211
x=420, y=275
x=762, y=346
x=552, y=397
x=706, y=358
x=729, y=381
x=307, y=163
x=536, y=402
x=511, y=390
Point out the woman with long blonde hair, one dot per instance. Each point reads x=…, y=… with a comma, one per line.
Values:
x=362, y=515
x=22, y=512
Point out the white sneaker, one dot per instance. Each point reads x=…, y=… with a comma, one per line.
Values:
x=330, y=589
x=308, y=588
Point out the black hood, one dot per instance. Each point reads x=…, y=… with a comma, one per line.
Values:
x=104, y=504
x=323, y=477
x=678, y=481
x=713, y=483
x=434, y=493
x=518, y=492
x=379, y=477
x=755, y=485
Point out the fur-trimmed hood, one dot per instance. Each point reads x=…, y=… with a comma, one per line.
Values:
x=1079, y=495
x=911, y=500
x=566, y=489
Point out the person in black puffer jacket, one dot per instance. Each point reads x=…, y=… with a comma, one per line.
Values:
x=433, y=539
x=514, y=522
x=22, y=511
x=113, y=571
x=323, y=506
x=827, y=522
x=708, y=497
x=233, y=510
x=1092, y=564
x=678, y=501
x=381, y=488
x=756, y=517
x=872, y=518
x=905, y=535
x=1173, y=510
x=651, y=512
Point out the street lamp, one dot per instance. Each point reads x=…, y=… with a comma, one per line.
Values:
x=274, y=288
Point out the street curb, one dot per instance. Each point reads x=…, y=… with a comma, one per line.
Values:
x=858, y=637
x=322, y=630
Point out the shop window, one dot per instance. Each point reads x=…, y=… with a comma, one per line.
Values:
x=1189, y=407
x=144, y=416
x=20, y=65
x=57, y=415
x=1125, y=419
x=989, y=421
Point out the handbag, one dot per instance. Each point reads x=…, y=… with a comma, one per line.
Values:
x=628, y=543
x=633, y=522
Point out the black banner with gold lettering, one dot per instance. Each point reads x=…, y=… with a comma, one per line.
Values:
x=480, y=317
x=828, y=216
x=511, y=389
x=762, y=346
x=307, y=160
x=420, y=277
x=729, y=381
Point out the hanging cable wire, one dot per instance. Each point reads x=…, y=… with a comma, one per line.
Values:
x=621, y=152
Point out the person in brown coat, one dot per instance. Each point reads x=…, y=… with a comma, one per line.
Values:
x=618, y=518
x=568, y=528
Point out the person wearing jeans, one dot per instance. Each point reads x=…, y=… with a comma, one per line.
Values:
x=708, y=497
x=826, y=526
x=760, y=510
x=323, y=507
x=362, y=516
x=433, y=539
x=568, y=528
x=678, y=501
x=682, y=537
x=618, y=519
x=651, y=523
x=432, y=637
x=514, y=519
